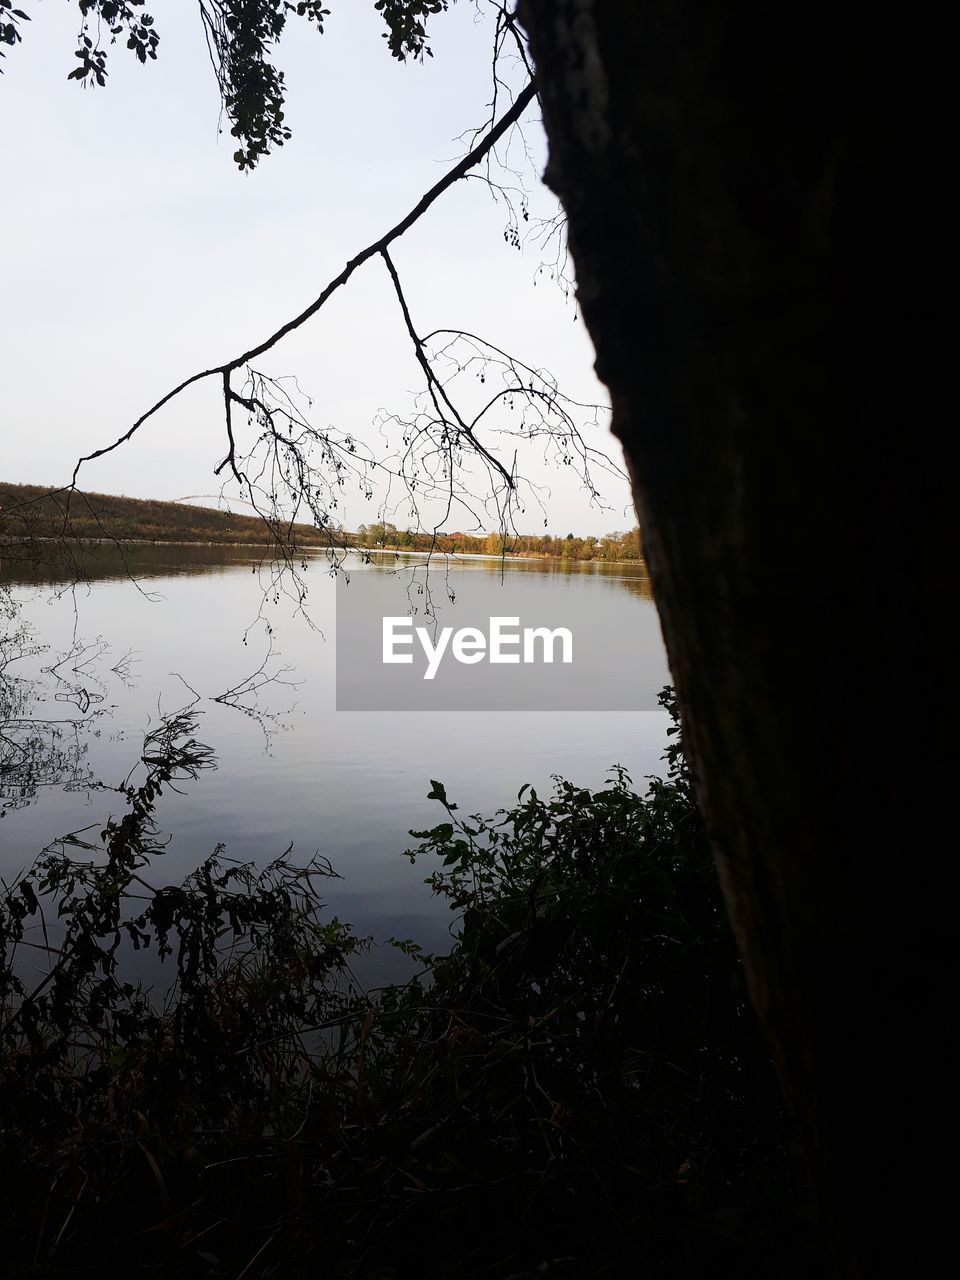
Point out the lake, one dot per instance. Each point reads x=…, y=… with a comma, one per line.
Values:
x=193, y=623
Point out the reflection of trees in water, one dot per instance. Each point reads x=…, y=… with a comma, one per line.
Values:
x=137, y=562
x=111, y=561
x=50, y=712
x=252, y=695
x=631, y=577
x=38, y=751
x=41, y=753
x=429, y=579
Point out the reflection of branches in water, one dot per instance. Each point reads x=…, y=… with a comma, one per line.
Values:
x=38, y=751
x=42, y=753
x=16, y=641
x=123, y=668
x=80, y=661
x=246, y=695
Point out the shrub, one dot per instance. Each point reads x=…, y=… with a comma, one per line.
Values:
x=577, y=1088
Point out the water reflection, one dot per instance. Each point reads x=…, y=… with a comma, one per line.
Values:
x=292, y=769
x=108, y=561
x=51, y=704
x=56, y=565
x=631, y=576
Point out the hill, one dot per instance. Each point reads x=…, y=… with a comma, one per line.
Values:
x=30, y=511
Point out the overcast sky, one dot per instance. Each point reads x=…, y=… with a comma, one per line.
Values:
x=134, y=253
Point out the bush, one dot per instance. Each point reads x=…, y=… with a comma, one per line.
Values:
x=577, y=1088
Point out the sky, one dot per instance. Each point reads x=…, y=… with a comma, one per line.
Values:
x=135, y=253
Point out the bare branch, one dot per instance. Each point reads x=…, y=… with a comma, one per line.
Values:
x=435, y=387
x=459, y=170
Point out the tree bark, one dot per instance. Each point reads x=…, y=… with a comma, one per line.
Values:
x=741, y=186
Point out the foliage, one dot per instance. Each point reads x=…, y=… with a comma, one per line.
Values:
x=612, y=547
x=576, y=1089
x=242, y=36
x=99, y=1079
x=406, y=20
x=10, y=20
x=605, y=1040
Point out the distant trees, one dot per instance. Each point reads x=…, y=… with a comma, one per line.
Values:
x=29, y=512
x=379, y=534
x=612, y=547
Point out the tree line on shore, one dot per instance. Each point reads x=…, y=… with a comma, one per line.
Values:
x=612, y=546
x=33, y=512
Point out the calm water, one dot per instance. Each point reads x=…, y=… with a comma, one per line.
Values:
x=291, y=768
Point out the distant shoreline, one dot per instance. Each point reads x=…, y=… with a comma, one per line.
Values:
x=480, y=555
x=319, y=549
x=31, y=514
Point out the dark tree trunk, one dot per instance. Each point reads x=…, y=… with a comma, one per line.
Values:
x=737, y=179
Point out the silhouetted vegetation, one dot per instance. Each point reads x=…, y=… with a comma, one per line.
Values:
x=576, y=1089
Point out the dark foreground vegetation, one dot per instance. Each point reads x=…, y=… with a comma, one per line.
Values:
x=577, y=1089
x=29, y=513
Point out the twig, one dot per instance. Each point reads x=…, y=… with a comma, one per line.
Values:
x=459, y=170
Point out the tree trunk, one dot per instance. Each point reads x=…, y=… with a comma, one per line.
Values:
x=736, y=189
